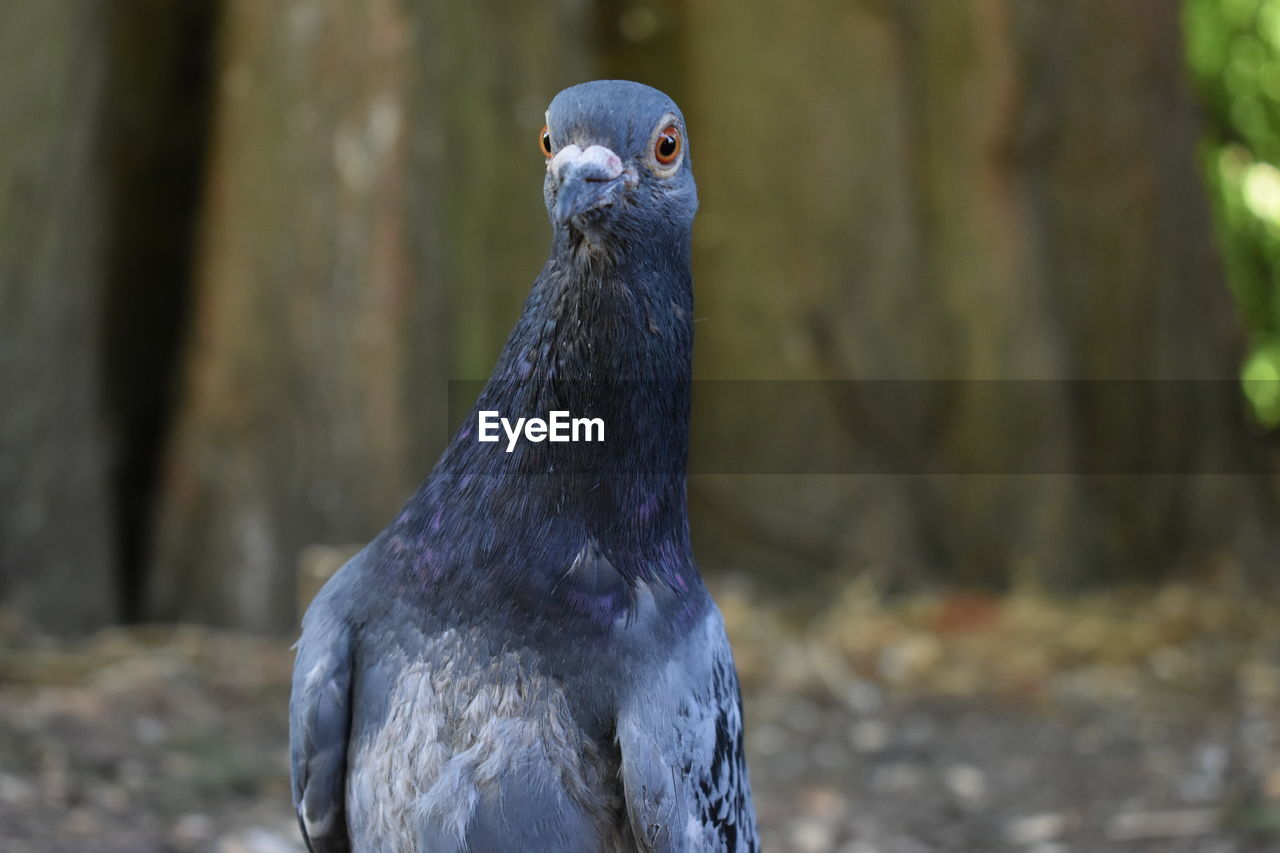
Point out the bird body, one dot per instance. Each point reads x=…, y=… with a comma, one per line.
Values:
x=526, y=657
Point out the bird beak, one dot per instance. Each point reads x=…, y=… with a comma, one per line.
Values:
x=588, y=180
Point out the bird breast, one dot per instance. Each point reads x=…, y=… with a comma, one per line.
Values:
x=472, y=744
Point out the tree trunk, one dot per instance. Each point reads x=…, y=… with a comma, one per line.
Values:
x=157, y=127
x=938, y=194
x=57, y=550
x=362, y=186
x=964, y=191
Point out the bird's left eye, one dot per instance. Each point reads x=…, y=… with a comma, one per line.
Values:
x=667, y=147
x=544, y=140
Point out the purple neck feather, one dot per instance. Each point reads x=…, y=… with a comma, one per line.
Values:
x=599, y=337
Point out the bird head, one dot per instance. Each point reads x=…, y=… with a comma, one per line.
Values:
x=617, y=163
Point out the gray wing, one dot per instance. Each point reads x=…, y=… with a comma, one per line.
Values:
x=319, y=729
x=683, y=767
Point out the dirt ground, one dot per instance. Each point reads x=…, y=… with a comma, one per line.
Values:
x=1139, y=721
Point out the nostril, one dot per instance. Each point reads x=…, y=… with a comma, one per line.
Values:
x=594, y=164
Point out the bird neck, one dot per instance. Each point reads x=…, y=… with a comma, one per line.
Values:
x=603, y=338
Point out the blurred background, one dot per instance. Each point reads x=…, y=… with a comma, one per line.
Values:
x=1002, y=279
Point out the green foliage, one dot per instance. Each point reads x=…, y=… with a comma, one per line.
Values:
x=1233, y=47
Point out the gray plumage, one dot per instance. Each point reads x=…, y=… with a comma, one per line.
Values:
x=526, y=658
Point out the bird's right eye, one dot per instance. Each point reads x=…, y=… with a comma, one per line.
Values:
x=544, y=141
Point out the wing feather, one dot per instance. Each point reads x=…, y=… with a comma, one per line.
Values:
x=683, y=767
x=319, y=730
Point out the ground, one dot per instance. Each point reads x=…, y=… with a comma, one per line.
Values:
x=1146, y=720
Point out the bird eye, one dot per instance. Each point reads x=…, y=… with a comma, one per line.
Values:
x=544, y=141
x=667, y=147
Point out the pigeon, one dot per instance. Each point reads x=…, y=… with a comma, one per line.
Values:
x=527, y=658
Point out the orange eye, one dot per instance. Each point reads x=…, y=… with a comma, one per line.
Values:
x=667, y=148
x=544, y=141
